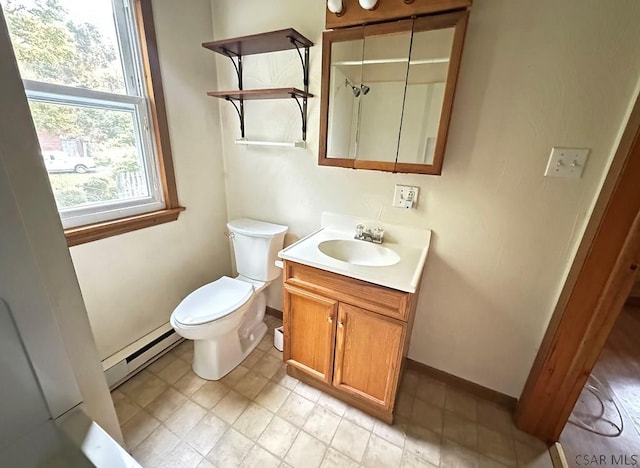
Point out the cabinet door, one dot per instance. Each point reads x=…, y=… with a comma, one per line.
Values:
x=368, y=355
x=309, y=332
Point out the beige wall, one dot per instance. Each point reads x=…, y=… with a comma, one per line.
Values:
x=132, y=282
x=534, y=75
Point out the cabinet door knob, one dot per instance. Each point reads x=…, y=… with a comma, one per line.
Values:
x=340, y=325
x=329, y=319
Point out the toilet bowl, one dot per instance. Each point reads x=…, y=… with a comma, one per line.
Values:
x=225, y=318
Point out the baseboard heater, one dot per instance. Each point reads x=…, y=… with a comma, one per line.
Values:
x=138, y=355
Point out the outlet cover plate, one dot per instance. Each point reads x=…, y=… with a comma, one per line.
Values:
x=405, y=196
x=566, y=162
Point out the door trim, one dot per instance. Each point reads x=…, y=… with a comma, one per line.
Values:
x=591, y=300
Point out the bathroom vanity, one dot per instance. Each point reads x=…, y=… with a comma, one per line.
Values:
x=349, y=310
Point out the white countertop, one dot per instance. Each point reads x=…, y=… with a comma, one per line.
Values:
x=411, y=244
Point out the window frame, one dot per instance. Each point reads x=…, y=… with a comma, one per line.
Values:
x=138, y=79
x=55, y=94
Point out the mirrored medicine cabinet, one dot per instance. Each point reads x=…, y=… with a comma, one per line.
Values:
x=387, y=93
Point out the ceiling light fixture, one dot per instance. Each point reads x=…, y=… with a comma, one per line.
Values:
x=368, y=4
x=336, y=7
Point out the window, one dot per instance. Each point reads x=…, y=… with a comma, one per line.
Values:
x=93, y=83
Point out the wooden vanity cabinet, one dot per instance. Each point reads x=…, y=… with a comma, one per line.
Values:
x=346, y=337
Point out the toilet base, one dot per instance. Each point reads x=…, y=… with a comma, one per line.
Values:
x=213, y=359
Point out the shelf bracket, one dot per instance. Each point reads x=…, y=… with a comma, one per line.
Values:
x=303, y=114
x=239, y=110
x=303, y=60
x=237, y=66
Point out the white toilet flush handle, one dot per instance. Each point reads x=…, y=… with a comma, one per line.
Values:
x=279, y=264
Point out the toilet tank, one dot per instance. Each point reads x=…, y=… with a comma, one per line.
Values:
x=256, y=245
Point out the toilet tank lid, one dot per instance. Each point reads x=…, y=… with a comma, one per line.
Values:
x=253, y=227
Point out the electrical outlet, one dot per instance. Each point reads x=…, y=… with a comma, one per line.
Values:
x=405, y=196
x=566, y=162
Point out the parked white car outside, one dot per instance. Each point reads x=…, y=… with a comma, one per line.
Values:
x=59, y=161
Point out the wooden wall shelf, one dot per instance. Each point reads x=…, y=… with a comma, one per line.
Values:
x=257, y=94
x=274, y=41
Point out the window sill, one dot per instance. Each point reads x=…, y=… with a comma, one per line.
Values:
x=83, y=234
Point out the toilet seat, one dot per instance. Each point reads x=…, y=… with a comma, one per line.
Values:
x=213, y=301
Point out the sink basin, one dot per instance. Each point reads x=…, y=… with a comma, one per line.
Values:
x=358, y=252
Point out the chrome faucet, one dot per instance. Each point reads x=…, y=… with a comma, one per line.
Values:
x=369, y=235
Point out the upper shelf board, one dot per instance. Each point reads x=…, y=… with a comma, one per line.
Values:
x=259, y=43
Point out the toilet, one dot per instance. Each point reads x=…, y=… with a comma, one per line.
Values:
x=225, y=318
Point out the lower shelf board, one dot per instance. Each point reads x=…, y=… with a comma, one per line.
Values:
x=386, y=416
x=259, y=94
x=284, y=144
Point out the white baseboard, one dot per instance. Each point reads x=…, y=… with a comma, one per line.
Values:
x=558, y=458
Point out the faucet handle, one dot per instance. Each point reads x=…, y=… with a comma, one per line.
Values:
x=378, y=235
x=359, y=230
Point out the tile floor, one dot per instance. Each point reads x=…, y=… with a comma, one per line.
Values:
x=258, y=416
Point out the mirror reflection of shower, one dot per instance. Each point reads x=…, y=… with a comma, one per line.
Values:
x=357, y=90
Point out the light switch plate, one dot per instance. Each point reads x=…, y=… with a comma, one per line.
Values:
x=405, y=196
x=566, y=162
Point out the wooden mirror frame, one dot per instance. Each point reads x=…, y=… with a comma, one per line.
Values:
x=457, y=20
